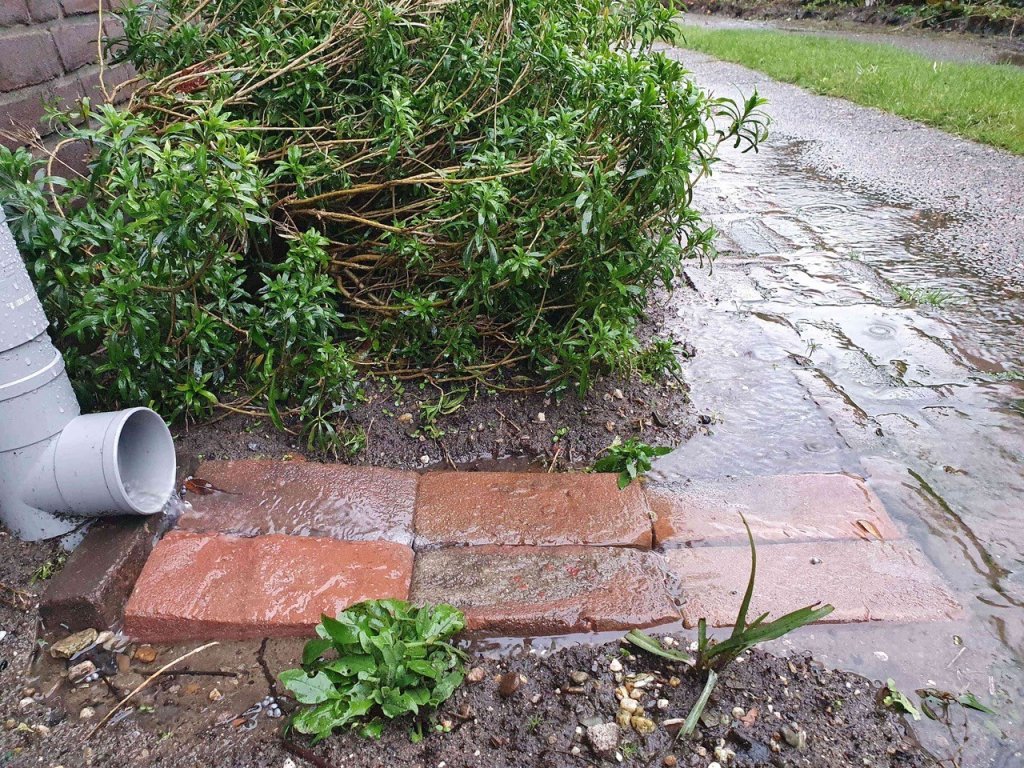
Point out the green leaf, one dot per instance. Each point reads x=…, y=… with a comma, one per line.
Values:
x=896, y=699
x=970, y=701
x=308, y=690
x=314, y=649
x=647, y=643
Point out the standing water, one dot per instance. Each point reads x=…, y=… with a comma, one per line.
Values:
x=833, y=335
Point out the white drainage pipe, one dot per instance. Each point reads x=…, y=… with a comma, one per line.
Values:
x=56, y=465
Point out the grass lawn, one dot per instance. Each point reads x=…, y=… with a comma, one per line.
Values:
x=984, y=102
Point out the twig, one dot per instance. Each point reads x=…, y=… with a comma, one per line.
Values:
x=144, y=683
x=15, y=598
x=305, y=754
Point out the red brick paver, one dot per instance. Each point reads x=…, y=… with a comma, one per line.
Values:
x=305, y=499
x=532, y=509
x=200, y=586
x=865, y=581
x=547, y=590
x=778, y=508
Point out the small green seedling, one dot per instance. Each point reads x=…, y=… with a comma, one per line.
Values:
x=630, y=459
x=896, y=699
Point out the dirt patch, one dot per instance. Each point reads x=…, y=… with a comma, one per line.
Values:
x=215, y=711
x=544, y=431
x=1008, y=30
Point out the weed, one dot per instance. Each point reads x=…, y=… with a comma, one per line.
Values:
x=377, y=661
x=49, y=568
x=534, y=723
x=630, y=459
x=712, y=656
x=896, y=699
x=933, y=297
x=447, y=404
x=629, y=750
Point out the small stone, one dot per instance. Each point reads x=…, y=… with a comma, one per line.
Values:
x=603, y=738
x=578, y=677
x=738, y=712
x=86, y=713
x=617, y=394
x=424, y=459
x=622, y=718
x=795, y=737
x=609, y=426
x=662, y=704
x=669, y=761
x=72, y=644
x=508, y=684
x=216, y=695
x=145, y=654
x=724, y=755
x=27, y=702
x=79, y=672
x=42, y=730
x=574, y=751
x=629, y=705
x=815, y=561
x=674, y=682
x=104, y=637
x=714, y=765
x=541, y=418
x=124, y=664
x=615, y=665
x=475, y=675
x=642, y=725
x=405, y=418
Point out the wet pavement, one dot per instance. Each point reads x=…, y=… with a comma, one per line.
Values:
x=810, y=359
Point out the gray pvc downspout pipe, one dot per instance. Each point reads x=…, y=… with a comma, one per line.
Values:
x=55, y=465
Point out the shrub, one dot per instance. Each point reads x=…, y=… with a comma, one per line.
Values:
x=303, y=190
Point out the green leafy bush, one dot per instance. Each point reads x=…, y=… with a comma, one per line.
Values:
x=379, y=660
x=302, y=192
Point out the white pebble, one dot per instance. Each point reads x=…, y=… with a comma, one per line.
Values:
x=662, y=703
x=615, y=665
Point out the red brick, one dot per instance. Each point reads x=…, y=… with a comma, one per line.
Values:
x=306, y=499
x=23, y=114
x=509, y=508
x=28, y=58
x=547, y=590
x=199, y=587
x=864, y=581
x=778, y=508
x=76, y=42
x=91, y=588
x=43, y=10
x=13, y=12
x=75, y=7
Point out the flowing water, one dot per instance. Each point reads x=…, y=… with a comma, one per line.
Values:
x=809, y=360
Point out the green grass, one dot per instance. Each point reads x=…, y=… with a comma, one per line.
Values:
x=984, y=102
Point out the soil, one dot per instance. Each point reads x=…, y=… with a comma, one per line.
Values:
x=795, y=712
x=1010, y=31
x=518, y=429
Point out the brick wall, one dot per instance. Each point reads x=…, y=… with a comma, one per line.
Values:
x=48, y=53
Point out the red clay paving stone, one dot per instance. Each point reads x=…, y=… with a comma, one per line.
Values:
x=547, y=590
x=530, y=508
x=778, y=508
x=205, y=587
x=864, y=581
x=304, y=499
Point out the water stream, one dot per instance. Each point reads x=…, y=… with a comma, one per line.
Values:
x=810, y=360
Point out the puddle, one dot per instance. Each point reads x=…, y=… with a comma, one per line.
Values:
x=808, y=361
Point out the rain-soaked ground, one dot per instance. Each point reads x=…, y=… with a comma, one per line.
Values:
x=809, y=360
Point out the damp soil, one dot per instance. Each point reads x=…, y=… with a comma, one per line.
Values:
x=489, y=429
x=529, y=708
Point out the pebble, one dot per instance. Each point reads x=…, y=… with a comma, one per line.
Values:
x=541, y=418
x=72, y=644
x=738, y=712
x=795, y=737
x=669, y=761
x=535, y=699
x=124, y=664
x=615, y=665
x=575, y=750
x=424, y=459
x=79, y=672
x=815, y=561
x=642, y=725
x=578, y=677
x=617, y=394
x=145, y=653
x=508, y=684
x=662, y=704
x=609, y=426
x=603, y=738
x=475, y=675
x=405, y=418
x=216, y=695
x=104, y=637
x=87, y=713
x=27, y=702
x=629, y=705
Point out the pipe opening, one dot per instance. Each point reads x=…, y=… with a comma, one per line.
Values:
x=144, y=452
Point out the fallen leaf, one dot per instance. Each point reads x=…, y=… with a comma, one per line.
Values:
x=866, y=530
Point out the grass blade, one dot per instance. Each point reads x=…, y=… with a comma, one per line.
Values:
x=647, y=643
x=698, y=707
x=741, y=618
